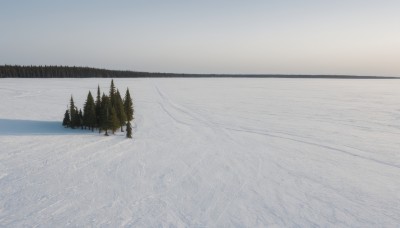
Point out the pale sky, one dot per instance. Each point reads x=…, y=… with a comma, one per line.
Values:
x=358, y=37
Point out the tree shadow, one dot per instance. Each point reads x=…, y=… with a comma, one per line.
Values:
x=35, y=127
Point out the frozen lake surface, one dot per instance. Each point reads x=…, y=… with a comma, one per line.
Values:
x=206, y=153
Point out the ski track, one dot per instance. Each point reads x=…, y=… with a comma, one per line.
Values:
x=199, y=121
x=207, y=153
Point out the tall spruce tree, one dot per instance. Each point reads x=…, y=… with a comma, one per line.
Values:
x=72, y=113
x=98, y=108
x=66, y=121
x=80, y=118
x=77, y=118
x=89, y=112
x=119, y=108
x=112, y=94
x=129, y=130
x=105, y=114
x=113, y=120
x=128, y=106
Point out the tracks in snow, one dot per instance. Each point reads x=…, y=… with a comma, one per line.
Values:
x=220, y=128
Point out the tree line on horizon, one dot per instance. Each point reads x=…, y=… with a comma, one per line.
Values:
x=106, y=113
x=17, y=71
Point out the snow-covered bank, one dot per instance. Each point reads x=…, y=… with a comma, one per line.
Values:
x=206, y=152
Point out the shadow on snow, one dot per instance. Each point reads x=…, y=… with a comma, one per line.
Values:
x=35, y=127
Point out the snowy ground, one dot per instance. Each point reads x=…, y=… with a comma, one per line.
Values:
x=206, y=152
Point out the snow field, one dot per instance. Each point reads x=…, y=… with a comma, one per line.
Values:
x=205, y=153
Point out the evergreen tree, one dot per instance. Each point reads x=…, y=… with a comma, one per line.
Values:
x=119, y=108
x=112, y=94
x=128, y=105
x=72, y=112
x=66, y=121
x=113, y=120
x=89, y=113
x=105, y=114
x=98, y=108
x=129, y=130
x=77, y=119
x=80, y=118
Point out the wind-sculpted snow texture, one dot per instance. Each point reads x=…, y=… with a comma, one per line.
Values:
x=205, y=153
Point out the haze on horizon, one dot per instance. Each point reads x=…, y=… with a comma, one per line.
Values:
x=357, y=37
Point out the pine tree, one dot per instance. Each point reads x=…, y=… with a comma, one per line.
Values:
x=72, y=112
x=80, y=118
x=113, y=120
x=128, y=105
x=112, y=94
x=119, y=107
x=129, y=130
x=98, y=108
x=89, y=112
x=77, y=118
x=66, y=121
x=105, y=114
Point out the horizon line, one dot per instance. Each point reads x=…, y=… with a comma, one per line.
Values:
x=238, y=75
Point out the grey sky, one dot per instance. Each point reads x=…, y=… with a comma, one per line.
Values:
x=359, y=37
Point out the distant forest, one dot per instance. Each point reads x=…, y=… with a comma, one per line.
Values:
x=16, y=71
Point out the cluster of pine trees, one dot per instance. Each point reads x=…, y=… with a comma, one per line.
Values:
x=107, y=113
